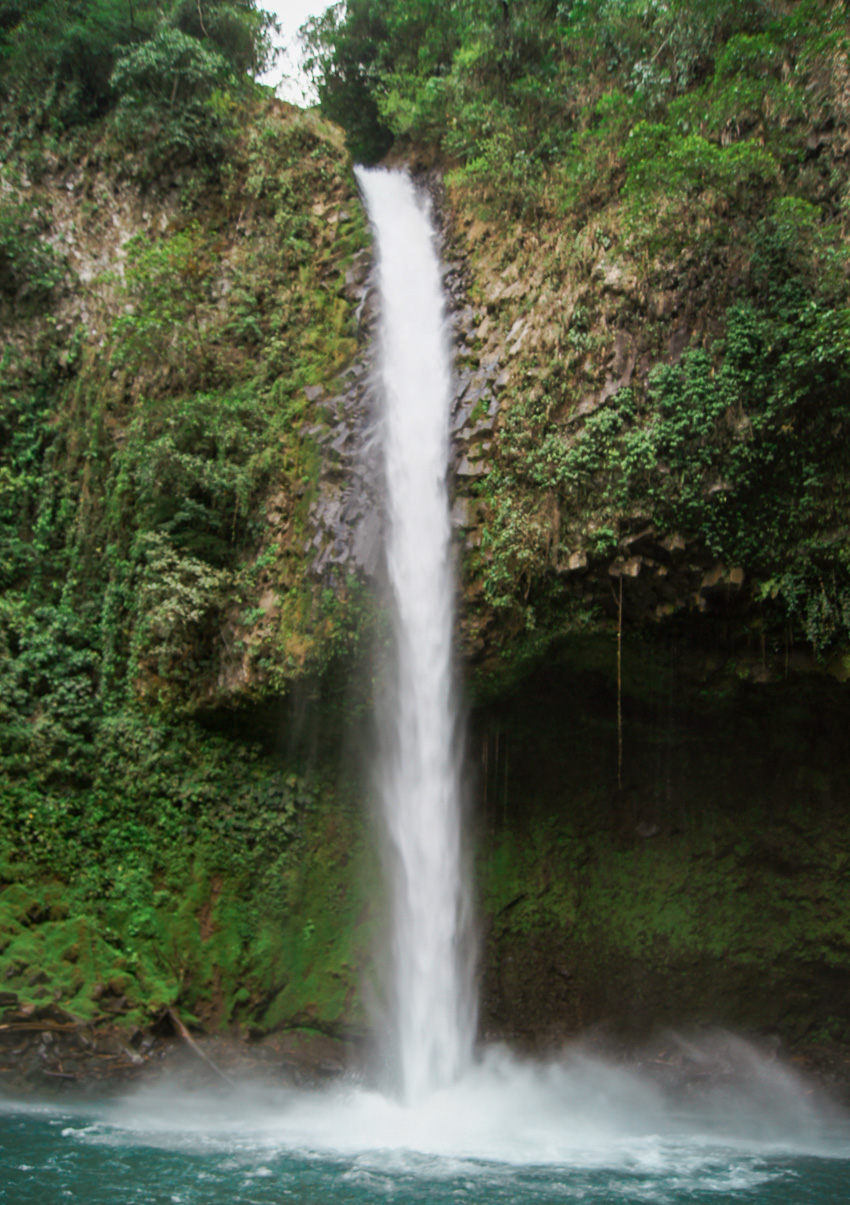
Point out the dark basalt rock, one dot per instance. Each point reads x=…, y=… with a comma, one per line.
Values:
x=346, y=518
x=80, y=1057
x=346, y=529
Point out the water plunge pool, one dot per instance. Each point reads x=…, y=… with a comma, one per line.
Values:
x=508, y=1132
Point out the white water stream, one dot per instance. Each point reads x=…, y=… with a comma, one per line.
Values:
x=432, y=1012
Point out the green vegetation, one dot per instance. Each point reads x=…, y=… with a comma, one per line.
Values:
x=692, y=149
x=134, y=479
x=30, y=269
x=741, y=445
x=709, y=888
x=154, y=483
x=172, y=878
x=67, y=62
x=658, y=187
x=531, y=95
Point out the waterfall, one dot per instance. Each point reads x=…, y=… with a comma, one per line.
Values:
x=432, y=1009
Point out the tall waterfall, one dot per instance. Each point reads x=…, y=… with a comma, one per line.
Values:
x=432, y=1004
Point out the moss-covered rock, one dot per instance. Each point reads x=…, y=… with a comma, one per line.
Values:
x=705, y=880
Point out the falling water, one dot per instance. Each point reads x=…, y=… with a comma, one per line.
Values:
x=432, y=1009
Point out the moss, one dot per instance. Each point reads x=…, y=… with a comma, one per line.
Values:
x=321, y=959
x=283, y=944
x=712, y=886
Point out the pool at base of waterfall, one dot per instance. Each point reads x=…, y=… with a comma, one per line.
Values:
x=508, y=1132
x=48, y=1159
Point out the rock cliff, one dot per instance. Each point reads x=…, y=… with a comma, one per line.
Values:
x=649, y=499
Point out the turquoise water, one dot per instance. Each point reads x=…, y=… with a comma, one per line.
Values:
x=508, y=1134
x=59, y=1158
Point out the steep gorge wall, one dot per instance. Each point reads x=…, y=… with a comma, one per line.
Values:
x=616, y=447
x=188, y=627
x=705, y=879
x=178, y=609
x=704, y=883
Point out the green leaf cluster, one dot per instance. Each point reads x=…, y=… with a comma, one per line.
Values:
x=740, y=446
x=30, y=267
x=169, y=72
x=168, y=282
x=543, y=105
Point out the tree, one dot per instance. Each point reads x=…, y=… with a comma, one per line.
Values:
x=59, y=58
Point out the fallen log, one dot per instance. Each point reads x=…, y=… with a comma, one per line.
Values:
x=195, y=1048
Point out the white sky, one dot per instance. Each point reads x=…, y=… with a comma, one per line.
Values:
x=291, y=14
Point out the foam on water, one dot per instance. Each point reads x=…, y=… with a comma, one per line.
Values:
x=578, y=1114
x=509, y=1131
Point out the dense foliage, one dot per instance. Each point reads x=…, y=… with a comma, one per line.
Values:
x=522, y=93
x=742, y=444
x=170, y=73
x=146, y=429
x=177, y=304
x=697, y=146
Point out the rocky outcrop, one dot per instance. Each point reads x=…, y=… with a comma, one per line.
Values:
x=345, y=522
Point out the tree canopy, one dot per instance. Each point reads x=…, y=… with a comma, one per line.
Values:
x=509, y=88
x=66, y=62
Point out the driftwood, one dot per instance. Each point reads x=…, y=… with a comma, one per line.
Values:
x=195, y=1048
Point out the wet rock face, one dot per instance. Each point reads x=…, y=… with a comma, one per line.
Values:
x=551, y=327
x=47, y=1055
x=538, y=325
x=475, y=408
x=655, y=575
x=700, y=882
x=646, y=576
x=345, y=516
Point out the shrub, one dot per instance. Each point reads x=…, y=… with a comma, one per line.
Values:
x=169, y=92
